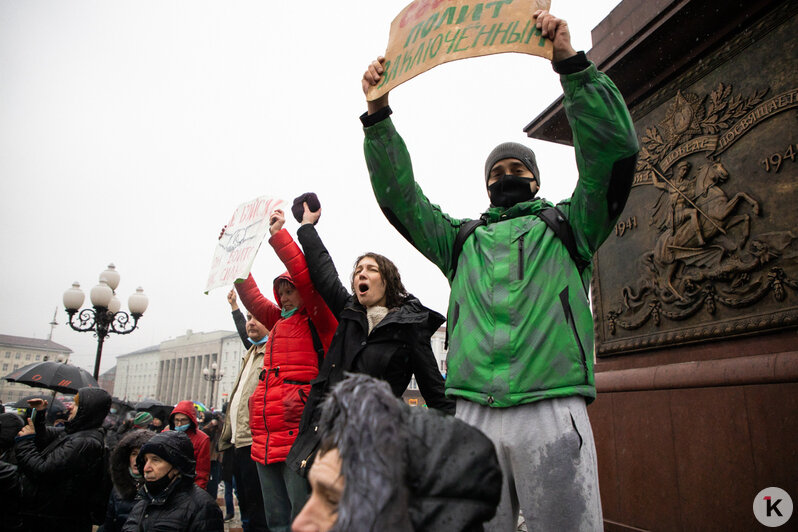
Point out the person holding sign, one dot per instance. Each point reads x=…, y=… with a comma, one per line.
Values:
x=520, y=328
x=301, y=330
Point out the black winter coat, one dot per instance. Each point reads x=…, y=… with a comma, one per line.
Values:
x=397, y=348
x=181, y=507
x=118, y=511
x=60, y=470
x=9, y=494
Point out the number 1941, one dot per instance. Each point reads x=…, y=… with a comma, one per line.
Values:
x=775, y=160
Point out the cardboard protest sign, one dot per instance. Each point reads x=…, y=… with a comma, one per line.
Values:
x=240, y=241
x=428, y=33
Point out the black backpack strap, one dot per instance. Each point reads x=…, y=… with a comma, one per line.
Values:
x=558, y=223
x=462, y=235
x=465, y=231
x=317, y=345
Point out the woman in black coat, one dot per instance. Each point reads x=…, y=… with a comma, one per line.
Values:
x=126, y=477
x=61, y=471
x=382, y=331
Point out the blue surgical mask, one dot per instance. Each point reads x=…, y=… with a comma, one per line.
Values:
x=183, y=428
x=288, y=313
x=261, y=341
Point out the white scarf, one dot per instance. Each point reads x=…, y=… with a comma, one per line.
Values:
x=375, y=315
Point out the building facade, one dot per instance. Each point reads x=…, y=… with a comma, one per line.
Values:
x=19, y=351
x=172, y=371
x=106, y=380
x=137, y=374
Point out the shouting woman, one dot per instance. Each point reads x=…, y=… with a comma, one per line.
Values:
x=383, y=331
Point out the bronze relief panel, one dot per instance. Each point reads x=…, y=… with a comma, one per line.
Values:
x=707, y=246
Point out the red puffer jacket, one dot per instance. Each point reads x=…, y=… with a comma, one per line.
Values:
x=290, y=360
x=200, y=441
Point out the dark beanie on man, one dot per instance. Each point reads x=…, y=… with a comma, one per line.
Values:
x=174, y=447
x=512, y=150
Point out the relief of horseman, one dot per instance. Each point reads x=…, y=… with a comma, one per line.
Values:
x=689, y=213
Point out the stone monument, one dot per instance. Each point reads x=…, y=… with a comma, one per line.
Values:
x=695, y=294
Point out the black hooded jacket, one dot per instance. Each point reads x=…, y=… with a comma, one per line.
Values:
x=60, y=469
x=397, y=348
x=182, y=506
x=407, y=469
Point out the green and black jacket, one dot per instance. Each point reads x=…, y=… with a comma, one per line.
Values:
x=520, y=326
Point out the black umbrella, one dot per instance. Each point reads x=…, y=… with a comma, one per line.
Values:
x=121, y=405
x=148, y=403
x=156, y=408
x=53, y=375
x=54, y=403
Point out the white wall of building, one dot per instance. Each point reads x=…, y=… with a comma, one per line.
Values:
x=137, y=375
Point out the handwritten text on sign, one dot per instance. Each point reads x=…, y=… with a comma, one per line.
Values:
x=428, y=33
x=238, y=245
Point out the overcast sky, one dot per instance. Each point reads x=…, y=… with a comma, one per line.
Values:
x=130, y=131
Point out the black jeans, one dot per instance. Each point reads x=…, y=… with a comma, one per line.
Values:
x=250, y=501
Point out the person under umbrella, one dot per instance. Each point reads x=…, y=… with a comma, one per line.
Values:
x=62, y=471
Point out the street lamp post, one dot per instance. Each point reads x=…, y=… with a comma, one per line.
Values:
x=105, y=318
x=214, y=375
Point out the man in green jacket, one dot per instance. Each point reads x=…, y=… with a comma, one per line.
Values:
x=520, y=362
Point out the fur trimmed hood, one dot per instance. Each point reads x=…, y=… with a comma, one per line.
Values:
x=120, y=462
x=406, y=468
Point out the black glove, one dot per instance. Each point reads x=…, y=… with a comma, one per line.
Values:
x=298, y=209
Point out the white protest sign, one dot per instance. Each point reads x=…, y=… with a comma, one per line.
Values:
x=239, y=243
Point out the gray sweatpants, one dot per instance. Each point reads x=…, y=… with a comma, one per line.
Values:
x=548, y=459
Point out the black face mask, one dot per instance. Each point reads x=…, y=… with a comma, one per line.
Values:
x=509, y=190
x=156, y=487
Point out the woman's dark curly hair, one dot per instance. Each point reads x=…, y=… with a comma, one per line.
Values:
x=395, y=292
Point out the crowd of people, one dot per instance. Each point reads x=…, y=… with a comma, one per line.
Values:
x=315, y=436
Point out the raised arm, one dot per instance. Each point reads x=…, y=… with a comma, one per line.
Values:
x=423, y=224
x=290, y=254
x=264, y=310
x=605, y=143
x=239, y=319
x=322, y=269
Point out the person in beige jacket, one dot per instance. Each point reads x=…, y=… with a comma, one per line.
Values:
x=235, y=433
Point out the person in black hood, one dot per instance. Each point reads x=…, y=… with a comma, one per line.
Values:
x=169, y=497
x=10, y=425
x=61, y=470
x=126, y=477
x=385, y=466
x=383, y=331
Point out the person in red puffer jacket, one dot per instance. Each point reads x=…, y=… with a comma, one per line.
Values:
x=291, y=360
x=184, y=415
